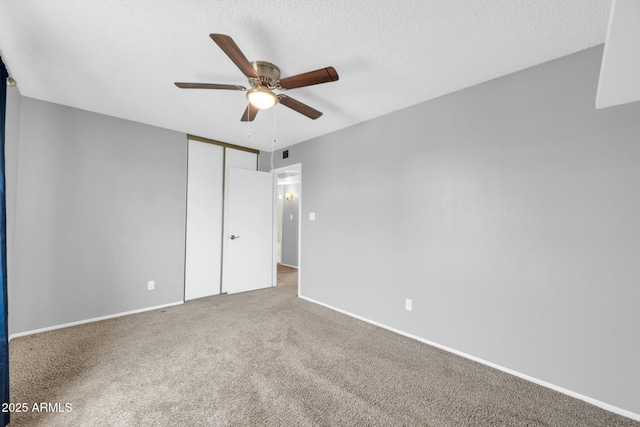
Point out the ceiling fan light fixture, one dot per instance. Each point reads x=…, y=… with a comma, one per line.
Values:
x=261, y=97
x=264, y=77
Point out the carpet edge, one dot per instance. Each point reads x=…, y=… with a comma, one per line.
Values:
x=92, y=320
x=571, y=393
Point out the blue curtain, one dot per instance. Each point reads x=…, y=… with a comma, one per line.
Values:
x=4, y=332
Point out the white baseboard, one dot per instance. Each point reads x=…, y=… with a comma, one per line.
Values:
x=95, y=319
x=562, y=390
x=290, y=266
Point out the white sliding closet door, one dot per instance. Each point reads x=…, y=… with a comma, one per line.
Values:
x=209, y=164
x=203, y=261
x=248, y=246
x=238, y=159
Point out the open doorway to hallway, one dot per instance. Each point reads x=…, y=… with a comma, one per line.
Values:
x=288, y=209
x=288, y=277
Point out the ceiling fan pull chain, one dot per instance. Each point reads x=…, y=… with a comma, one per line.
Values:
x=248, y=121
x=273, y=144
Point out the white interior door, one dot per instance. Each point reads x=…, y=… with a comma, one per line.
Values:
x=247, y=262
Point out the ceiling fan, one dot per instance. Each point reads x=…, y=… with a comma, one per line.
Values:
x=264, y=77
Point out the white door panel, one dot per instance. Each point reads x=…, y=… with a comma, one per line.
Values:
x=248, y=238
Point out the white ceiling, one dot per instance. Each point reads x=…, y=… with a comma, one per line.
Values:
x=121, y=58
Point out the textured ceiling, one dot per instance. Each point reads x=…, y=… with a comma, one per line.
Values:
x=121, y=58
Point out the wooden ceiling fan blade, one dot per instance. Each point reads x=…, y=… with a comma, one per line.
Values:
x=234, y=53
x=298, y=106
x=323, y=75
x=208, y=86
x=249, y=113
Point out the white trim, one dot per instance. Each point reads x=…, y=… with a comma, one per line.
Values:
x=275, y=171
x=95, y=319
x=562, y=390
x=299, y=267
x=274, y=232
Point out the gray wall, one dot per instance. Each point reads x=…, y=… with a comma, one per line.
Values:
x=290, y=226
x=509, y=212
x=12, y=136
x=100, y=210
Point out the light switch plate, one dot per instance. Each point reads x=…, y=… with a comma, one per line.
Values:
x=312, y=216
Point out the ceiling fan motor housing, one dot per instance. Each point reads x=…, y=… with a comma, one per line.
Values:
x=269, y=73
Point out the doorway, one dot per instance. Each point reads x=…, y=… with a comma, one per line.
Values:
x=288, y=223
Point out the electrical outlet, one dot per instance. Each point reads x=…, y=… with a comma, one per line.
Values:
x=151, y=285
x=408, y=304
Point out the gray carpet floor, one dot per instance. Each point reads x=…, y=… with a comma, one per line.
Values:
x=268, y=358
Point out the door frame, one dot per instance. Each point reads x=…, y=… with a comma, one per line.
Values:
x=276, y=171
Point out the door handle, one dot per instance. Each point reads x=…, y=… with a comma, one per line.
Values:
x=232, y=237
